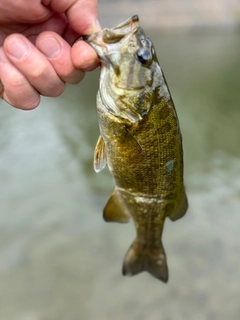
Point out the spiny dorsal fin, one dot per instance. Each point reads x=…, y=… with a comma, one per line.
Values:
x=100, y=155
x=114, y=210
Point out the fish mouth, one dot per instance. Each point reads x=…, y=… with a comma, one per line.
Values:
x=107, y=37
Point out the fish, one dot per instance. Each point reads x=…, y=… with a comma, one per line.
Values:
x=140, y=142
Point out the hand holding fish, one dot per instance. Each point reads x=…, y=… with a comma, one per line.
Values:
x=36, y=57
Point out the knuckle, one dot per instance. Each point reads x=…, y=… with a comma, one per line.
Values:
x=16, y=82
x=76, y=77
x=46, y=82
x=31, y=103
x=19, y=93
x=26, y=102
x=40, y=72
x=58, y=89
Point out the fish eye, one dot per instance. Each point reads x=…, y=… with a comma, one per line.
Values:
x=143, y=56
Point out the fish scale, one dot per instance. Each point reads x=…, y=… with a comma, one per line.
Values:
x=140, y=141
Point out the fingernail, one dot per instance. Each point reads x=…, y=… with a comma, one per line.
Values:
x=95, y=27
x=50, y=47
x=17, y=48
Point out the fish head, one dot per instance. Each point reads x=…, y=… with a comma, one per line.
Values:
x=126, y=52
x=130, y=72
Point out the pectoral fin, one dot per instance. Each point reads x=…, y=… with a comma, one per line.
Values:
x=114, y=210
x=131, y=115
x=113, y=108
x=100, y=155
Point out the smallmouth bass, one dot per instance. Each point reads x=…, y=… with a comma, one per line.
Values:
x=140, y=141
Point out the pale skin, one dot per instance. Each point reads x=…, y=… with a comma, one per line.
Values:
x=38, y=52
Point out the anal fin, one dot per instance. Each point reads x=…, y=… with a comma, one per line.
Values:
x=114, y=210
x=181, y=210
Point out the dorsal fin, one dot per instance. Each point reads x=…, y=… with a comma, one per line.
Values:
x=114, y=210
x=100, y=155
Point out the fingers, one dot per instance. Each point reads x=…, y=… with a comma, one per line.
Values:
x=28, y=71
x=82, y=14
x=56, y=23
x=58, y=52
x=14, y=87
x=23, y=11
x=33, y=65
x=84, y=56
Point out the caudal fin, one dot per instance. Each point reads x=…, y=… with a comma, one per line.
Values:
x=138, y=260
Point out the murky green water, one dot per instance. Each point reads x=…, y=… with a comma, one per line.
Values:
x=58, y=258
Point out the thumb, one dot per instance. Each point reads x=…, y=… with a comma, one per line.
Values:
x=82, y=14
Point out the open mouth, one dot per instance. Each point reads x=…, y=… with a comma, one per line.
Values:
x=114, y=35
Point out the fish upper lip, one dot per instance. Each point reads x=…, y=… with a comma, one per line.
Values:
x=124, y=29
x=129, y=21
x=133, y=19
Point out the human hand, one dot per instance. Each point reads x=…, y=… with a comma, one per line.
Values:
x=36, y=57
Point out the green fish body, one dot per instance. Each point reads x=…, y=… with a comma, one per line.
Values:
x=140, y=142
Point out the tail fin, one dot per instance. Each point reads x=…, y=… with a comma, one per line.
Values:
x=138, y=260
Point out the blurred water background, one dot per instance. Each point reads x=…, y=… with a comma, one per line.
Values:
x=58, y=259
